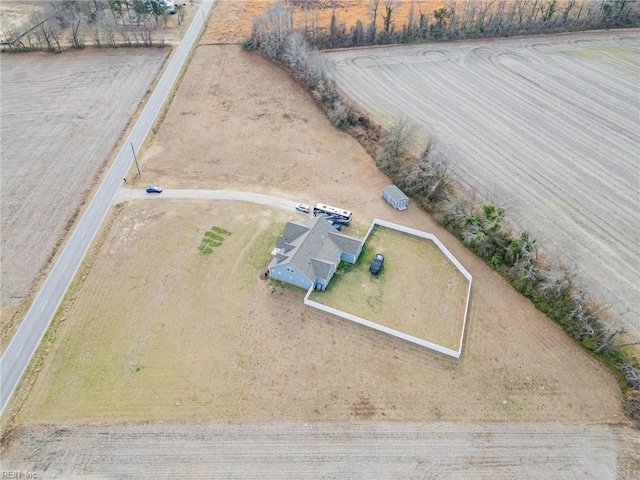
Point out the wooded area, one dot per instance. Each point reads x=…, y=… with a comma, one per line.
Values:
x=76, y=23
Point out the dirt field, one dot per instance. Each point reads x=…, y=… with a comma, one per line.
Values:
x=546, y=126
x=326, y=451
x=211, y=341
x=418, y=292
x=61, y=117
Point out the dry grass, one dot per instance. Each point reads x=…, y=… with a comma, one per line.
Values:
x=156, y=322
x=231, y=20
x=161, y=332
x=163, y=341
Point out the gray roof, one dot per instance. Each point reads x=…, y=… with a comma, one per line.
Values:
x=292, y=231
x=395, y=193
x=315, y=246
x=345, y=243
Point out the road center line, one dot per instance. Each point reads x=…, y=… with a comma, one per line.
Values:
x=83, y=234
x=44, y=305
x=64, y=269
x=19, y=351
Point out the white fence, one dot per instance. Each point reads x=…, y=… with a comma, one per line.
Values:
x=391, y=331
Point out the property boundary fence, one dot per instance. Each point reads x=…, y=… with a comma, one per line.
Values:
x=391, y=331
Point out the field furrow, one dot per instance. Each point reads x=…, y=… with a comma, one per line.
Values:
x=546, y=126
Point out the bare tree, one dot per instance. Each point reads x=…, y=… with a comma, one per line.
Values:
x=180, y=14
x=431, y=175
x=453, y=19
x=97, y=37
x=9, y=35
x=389, y=7
x=567, y=10
x=73, y=17
x=555, y=281
x=46, y=30
x=373, y=14
x=394, y=154
x=333, y=27
x=548, y=10
x=585, y=315
x=271, y=30
x=146, y=34
x=357, y=34
x=631, y=374
x=423, y=23
x=110, y=31
x=126, y=36
x=411, y=27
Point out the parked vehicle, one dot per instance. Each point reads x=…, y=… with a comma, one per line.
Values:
x=301, y=207
x=154, y=190
x=376, y=263
x=333, y=213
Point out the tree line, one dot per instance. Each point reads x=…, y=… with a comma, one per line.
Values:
x=468, y=19
x=73, y=23
x=428, y=178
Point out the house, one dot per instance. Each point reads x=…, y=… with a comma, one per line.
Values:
x=308, y=253
x=395, y=197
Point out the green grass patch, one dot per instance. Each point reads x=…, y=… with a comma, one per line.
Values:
x=213, y=238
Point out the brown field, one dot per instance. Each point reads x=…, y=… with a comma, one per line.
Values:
x=231, y=20
x=418, y=292
x=61, y=117
x=372, y=451
x=159, y=332
x=546, y=126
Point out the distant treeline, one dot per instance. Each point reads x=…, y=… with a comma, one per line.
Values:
x=73, y=23
x=468, y=19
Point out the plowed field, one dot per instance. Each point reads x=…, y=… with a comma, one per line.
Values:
x=61, y=117
x=546, y=126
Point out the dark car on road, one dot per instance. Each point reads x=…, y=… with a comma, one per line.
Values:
x=154, y=190
x=376, y=263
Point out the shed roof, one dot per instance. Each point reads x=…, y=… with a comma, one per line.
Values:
x=394, y=193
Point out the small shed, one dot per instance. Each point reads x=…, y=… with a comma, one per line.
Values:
x=395, y=197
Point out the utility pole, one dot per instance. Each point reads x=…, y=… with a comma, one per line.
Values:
x=134, y=157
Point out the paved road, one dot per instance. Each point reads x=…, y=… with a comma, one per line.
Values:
x=126, y=194
x=18, y=354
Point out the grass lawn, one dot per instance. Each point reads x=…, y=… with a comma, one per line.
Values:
x=418, y=292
